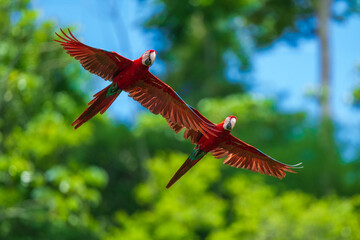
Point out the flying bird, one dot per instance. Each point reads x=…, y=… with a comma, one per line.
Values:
x=132, y=77
x=224, y=145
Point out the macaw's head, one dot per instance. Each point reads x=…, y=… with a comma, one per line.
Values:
x=229, y=123
x=148, y=58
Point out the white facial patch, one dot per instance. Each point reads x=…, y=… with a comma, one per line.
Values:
x=232, y=122
x=152, y=57
x=226, y=122
x=145, y=56
x=148, y=58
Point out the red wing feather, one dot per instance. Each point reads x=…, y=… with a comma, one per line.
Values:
x=193, y=135
x=241, y=155
x=97, y=61
x=159, y=98
x=189, y=133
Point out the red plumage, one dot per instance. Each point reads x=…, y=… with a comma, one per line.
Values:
x=187, y=165
x=236, y=152
x=133, y=77
x=100, y=103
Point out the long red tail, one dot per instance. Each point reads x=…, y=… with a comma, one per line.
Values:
x=101, y=102
x=193, y=159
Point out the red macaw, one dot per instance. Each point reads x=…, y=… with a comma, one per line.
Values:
x=133, y=77
x=236, y=152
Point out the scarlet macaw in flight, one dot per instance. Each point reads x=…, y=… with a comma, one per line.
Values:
x=236, y=152
x=133, y=77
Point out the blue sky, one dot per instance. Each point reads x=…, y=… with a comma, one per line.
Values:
x=116, y=26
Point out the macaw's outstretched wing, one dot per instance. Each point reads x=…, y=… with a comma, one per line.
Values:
x=97, y=61
x=159, y=98
x=191, y=134
x=241, y=155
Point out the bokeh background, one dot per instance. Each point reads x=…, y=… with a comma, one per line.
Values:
x=289, y=71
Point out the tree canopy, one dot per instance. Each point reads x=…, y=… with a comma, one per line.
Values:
x=107, y=180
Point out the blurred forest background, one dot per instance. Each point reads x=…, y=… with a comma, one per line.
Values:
x=107, y=179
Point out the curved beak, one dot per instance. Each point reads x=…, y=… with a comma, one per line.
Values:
x=228, y=126
x=148, y=61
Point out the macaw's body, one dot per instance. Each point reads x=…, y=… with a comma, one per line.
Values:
x=236, y=152
x=133, y=77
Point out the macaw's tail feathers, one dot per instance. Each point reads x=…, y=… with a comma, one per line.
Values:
x=101, y=102
x=193, y=159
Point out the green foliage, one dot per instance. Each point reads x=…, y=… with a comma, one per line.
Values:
x=287, y=137
x=211, y=39
x=356, y=96
x=44, y=189
x=107, y=180
x=206, y=205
